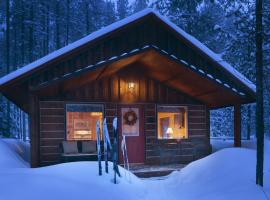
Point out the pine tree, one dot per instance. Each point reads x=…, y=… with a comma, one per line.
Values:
x=122, y=9
x=140, y=5
x=109, y=13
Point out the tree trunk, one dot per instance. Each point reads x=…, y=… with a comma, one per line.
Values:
x=31, y=32
x=47, y=28
x=259, y=96
x=67, y=23
x=57, y=25
x=22, y=36
x=87, y=18
x=8, y=60
x=7, y=35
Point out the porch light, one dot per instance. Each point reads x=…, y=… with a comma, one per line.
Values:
x=131, y=85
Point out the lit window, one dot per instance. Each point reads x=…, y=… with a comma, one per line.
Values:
x=172, y=122
x=81, y=121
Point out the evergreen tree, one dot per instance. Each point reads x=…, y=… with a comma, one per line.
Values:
x=140, y=5
x=122, y=9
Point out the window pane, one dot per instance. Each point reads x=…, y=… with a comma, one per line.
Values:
x=81, y=121
x=172, y=122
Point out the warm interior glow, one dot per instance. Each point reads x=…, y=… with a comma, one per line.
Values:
x=169, y=132
x=131, y=85
x=172, y=123
x=82, y=125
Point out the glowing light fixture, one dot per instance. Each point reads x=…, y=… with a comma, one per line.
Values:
x=131, y=85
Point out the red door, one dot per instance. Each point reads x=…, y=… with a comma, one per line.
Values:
x=130, y=124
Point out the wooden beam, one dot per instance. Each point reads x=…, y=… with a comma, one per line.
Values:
x=34, y=129
x=237, y=125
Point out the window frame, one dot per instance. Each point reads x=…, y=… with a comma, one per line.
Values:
x=81, y=103
x=186, y=121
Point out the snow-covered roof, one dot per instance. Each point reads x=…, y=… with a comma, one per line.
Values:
x=215, y=57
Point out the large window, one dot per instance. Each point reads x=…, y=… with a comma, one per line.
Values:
x=172, y=122
x=81, y=121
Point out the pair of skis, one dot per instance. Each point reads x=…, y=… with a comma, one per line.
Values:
x=115, y=150
x=124, y=153
x=98, y=148
x=107, y=145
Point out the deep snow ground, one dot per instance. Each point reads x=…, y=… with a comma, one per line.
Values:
x=226, y=174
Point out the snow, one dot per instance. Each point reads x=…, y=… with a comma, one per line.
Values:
x=227, y=174
x=201, y=71
x=193, y=67
x=100, y=33
x=219, y=81
x=10, y=155
x=210, y=76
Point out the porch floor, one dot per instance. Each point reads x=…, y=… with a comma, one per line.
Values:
x=147, y=171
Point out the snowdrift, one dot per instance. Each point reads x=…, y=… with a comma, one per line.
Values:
x=226, y=174
x=10, y=155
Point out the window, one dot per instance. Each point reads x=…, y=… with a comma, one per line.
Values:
x=172, y=122
x=81, y=121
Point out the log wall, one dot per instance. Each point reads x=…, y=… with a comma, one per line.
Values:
x=113, y=91
x=197, y=145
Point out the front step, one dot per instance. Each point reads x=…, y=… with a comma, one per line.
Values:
x=148, y=171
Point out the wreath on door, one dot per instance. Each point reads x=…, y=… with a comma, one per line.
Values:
x=130, y=118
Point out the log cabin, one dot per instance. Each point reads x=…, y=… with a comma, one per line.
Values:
x=159, y=81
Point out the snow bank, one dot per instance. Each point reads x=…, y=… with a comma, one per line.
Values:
x=19, y=147
x=9, y=159
x=226, y=174
x=69, y=181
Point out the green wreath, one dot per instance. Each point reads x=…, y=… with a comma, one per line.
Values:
x=130, y=118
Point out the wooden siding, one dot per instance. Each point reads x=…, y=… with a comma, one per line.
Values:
x=52, y=131
x=167, y=151
x=114, y=89
x=197, y=145
x=111, y=92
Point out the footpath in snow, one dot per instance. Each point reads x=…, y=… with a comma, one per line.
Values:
x=226, y=174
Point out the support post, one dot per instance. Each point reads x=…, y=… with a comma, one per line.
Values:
x=237, y=125
x=34, y=129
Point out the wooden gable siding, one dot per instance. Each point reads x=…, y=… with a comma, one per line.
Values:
x=114, y=89
x=125, y=41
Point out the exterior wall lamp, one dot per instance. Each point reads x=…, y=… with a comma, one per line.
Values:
x=131, y=85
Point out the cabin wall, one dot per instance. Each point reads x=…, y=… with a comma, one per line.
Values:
x=167, y=151
x=197, y=145
x=53, y=129
x=113, y=91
